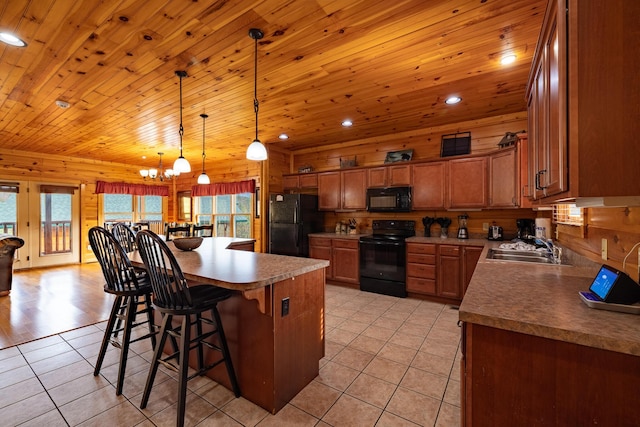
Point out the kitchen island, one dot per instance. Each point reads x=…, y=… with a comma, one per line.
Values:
x=274, y=323
x=535, y=354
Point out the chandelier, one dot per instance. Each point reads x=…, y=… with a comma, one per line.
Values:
x=203, y=178
x=159, y=173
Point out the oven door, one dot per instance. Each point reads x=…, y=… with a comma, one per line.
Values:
x=382, y=267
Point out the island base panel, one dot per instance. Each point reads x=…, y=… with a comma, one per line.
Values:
x=510, y=377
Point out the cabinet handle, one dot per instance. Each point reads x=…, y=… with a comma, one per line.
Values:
x=538, y=174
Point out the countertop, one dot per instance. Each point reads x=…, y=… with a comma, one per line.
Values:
x=543, y=300
x=234, y=269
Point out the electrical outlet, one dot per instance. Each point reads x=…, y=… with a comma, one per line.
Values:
x=485, y=226
x=285, y=306
x=604, y=252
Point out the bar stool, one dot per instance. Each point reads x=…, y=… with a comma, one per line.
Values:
x=172, y=296
x=131, y=289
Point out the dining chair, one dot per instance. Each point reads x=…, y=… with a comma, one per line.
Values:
x=202, y=230
x=172, y=231
x=132, y=292
x=125, y=236
x=174, y=296
x=137, y=226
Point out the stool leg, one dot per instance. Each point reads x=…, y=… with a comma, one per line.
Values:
x=132, y=308
x=200, y=346
x=157, y=354
x=117, y=303
x=149, y=308
x=225, y=352
x=185, y=343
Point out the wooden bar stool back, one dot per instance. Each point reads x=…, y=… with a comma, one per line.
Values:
x=132, y=292
x=177, y=231
x=172, y=296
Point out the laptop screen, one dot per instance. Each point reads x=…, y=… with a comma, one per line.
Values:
x=603, y=282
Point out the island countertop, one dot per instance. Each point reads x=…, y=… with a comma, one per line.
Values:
x=542, y=300
x=233, y=269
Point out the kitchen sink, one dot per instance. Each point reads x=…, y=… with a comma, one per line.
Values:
x=522, y=256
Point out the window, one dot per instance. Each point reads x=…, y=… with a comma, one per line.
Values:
x=128, y=208
x=568, y=214
x=8, y=209
x=230, y=214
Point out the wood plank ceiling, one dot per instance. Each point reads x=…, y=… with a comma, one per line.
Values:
x=386, y=65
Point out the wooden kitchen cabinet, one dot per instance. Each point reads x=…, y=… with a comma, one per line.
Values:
x=307, y=180
x=343, y=256
x=421, y=268
x=449, y=272
x=581, y=112
x=504, y=188
x=340, y=190
x=468, y=183
x=509, y=377
x=320, y=248
x=389, y=176
x=429, y=184
x=440, y=270
x=470, y=258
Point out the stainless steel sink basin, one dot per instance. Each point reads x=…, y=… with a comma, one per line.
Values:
x=523, y=256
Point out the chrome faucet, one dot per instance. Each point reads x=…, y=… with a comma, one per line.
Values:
x=555, y=252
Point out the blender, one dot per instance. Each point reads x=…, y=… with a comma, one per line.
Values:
x=463, y=233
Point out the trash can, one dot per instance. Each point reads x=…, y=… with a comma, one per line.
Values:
x=8, y=246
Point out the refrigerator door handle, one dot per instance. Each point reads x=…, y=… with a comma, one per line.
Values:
x=295, y=213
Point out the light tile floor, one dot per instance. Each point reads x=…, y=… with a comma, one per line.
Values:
x=389, y=362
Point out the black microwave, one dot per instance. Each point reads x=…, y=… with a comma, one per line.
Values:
x=392, y=199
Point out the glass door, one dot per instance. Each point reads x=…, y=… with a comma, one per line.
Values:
x=54, y=231
x=14, y=204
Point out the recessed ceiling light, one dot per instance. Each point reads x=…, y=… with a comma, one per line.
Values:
x=508, y=59
x=453, y=100
x=283, y=136
x=9, y=38
x=346, y=123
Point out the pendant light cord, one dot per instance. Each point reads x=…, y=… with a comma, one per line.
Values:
x=204, y=117
x=255, y=85
x=181, y=74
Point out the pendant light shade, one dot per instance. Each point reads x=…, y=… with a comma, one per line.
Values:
x=203, y=178
x=256, y=150
x=181, y=165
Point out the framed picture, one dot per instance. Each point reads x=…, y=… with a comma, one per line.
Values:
x=398, y=156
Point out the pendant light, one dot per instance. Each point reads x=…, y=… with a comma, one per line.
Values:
x=181, y=165
x=256, y=150
x=203, y=178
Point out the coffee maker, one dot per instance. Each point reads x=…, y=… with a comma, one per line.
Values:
x=526, y=227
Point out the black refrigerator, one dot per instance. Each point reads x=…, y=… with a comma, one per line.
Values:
x=291, y=218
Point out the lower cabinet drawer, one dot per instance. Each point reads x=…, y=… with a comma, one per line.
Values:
x=424, y=286
x=319, y=241
x=421, y=271
x=421, y=258
x=346, y=243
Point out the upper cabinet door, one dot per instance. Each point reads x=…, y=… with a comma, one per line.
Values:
x=377, y=176
x=503, y=179
x=429, y=185
x=329, y=196
x=399, y=175
x=354, y=189
x=468, y=183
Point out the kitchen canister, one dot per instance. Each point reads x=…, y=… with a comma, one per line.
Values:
x=543, y=228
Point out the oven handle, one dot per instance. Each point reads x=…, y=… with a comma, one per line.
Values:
x=383, y=243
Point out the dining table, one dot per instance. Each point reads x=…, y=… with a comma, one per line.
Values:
x=274, y=321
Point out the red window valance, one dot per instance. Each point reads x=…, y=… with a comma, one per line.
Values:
x=134, y=189
x=221, y=188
